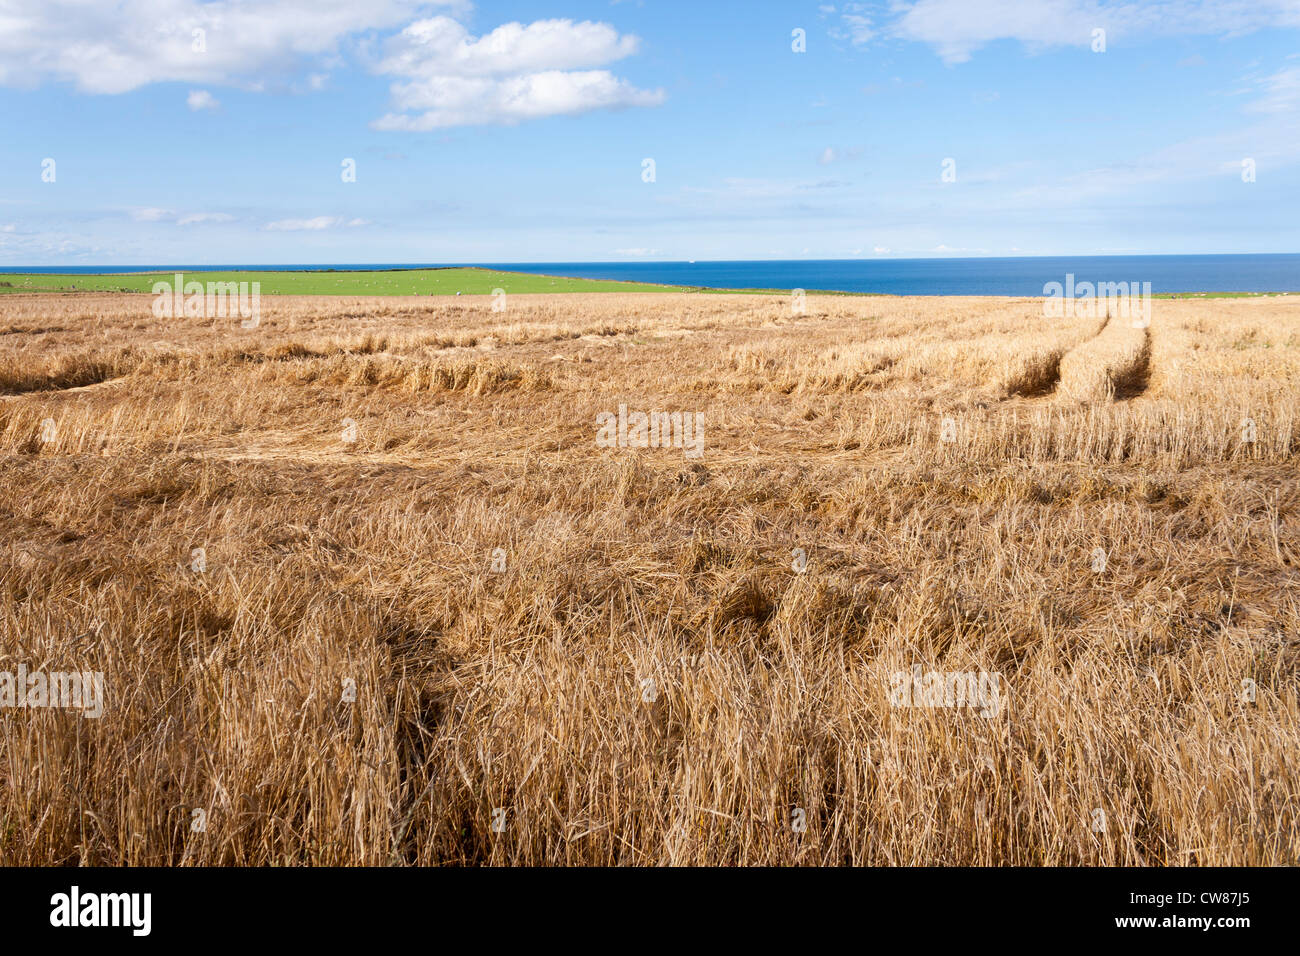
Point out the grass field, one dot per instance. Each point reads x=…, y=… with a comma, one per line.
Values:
x=365, y=587
x=469, y=281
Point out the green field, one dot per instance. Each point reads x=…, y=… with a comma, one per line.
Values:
x=1215, y=295
x=470, y=281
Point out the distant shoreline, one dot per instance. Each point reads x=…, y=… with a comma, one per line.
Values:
x=1210, y=276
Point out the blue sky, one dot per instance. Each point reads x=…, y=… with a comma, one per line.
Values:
x=497, y=132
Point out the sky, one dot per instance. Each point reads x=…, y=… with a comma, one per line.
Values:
x=393, y=131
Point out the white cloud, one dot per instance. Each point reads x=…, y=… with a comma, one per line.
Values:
x=151, y=214
x=193, y=218
x=734, y=187
x=636, y=253
x=160, y=214
x=957, y=28
x=832, y=155
x=114, y=46
x=314, y=224
x=23, y=248
x=442, y=47
x=462, y=101
x=1281, y=93
x=513, y=74
x=1272, y=140
x=444, y=76
x=304, y=225
x=201, y=100
x=855, y=26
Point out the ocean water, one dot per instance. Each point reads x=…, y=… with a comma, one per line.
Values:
x=1012, y=276
x=985, y=276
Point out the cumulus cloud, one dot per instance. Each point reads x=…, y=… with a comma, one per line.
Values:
x=114, y=46
x=957, y=28
x=515, y=73
x=443, y=75
x=201, y=100
x=440, y=46
x=459, y=101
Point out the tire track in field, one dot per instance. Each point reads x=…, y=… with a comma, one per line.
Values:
x=1137, y=378
x=1114, y=365
x=1041, y=380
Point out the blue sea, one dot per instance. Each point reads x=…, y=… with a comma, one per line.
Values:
x=985, y=276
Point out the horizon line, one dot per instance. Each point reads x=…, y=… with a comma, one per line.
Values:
x=398, y=267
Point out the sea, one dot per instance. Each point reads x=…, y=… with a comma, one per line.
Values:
x=1018, y=276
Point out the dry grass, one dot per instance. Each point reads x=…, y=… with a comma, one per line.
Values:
x=526, y=689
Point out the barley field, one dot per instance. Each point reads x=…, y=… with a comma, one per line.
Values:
x=365, y=588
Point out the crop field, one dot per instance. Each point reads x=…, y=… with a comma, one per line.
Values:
x=905, y=581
